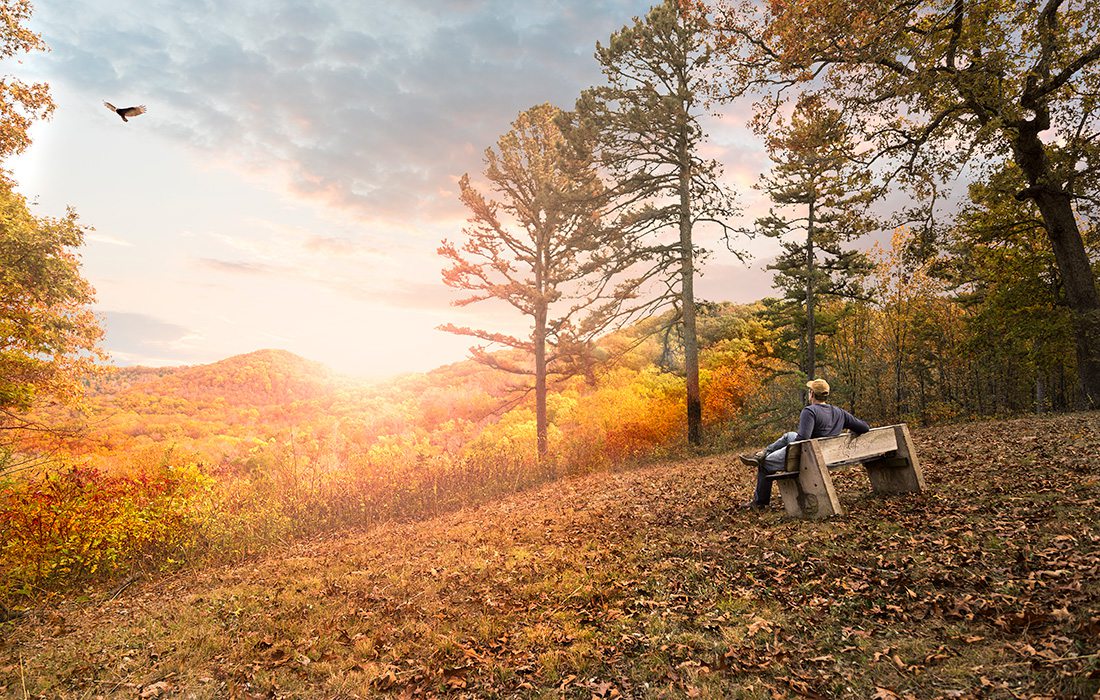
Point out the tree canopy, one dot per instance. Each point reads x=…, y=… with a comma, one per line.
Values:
x=940, y=85
x=821, y=196
x=542, y=248
x=48, y=333
x=20, y=103
x=646, y=118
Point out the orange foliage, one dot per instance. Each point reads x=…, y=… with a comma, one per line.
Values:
x=728, y=381
x=221, y=460
x=84, y=524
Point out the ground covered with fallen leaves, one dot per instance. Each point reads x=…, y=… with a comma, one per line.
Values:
x=646, y=583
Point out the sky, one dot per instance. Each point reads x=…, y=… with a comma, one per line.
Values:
x=298, y=166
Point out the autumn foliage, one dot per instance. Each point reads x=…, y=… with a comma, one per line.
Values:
x=183, y=465
x=80, y=523
x=187, y=465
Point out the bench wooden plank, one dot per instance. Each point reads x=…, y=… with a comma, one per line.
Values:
x=847, y=448
x=781, y=475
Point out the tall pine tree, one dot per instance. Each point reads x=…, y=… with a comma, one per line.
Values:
x=821, y=196
x=543, y=248
x=646, y=121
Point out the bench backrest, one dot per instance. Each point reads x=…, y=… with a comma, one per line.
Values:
x=847, y=447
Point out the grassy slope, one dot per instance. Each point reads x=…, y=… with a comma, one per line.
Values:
x=647, y=583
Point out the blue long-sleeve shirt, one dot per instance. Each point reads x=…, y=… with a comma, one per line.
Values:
x=825, y=420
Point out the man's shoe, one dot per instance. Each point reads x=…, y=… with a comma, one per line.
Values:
x=752, y=505
x=753, y=460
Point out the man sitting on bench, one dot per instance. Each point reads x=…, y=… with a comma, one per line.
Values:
x=819, y=419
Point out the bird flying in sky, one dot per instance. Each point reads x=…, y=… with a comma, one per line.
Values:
x=126, y=111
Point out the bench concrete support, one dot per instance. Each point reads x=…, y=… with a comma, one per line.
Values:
x=811, y=495
x=899, y=472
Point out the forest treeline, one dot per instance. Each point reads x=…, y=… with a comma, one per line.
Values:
x=970, y=308
x=977, y=300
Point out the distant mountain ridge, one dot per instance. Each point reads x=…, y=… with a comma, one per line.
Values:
x=258, y=378
x=222, y=411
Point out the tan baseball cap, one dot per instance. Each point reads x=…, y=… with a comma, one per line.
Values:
x=820, y=387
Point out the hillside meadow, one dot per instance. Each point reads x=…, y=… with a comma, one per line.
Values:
x=644, y=582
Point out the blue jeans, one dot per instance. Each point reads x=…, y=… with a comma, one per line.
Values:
x=775, y=457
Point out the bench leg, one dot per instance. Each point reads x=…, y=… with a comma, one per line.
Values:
x=898, y=474
x=811, y=495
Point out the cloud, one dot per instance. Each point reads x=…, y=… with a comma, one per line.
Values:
x=240, y=267
x=419, y=295
x=109, y=240
x=738, y=283
x=332, y=245
x=134, y=338
x=372, y=106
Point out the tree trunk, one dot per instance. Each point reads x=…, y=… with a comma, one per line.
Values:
x=1063, y=394
x=922, y=384
x=687, y=300
x=540, y=383
x=811, y=349
x=538, y=338
x=897, y=366
x=1055, y=206
x=1081, y=294
x=976, y=383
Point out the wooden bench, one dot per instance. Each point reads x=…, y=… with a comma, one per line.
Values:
x=886, y=453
